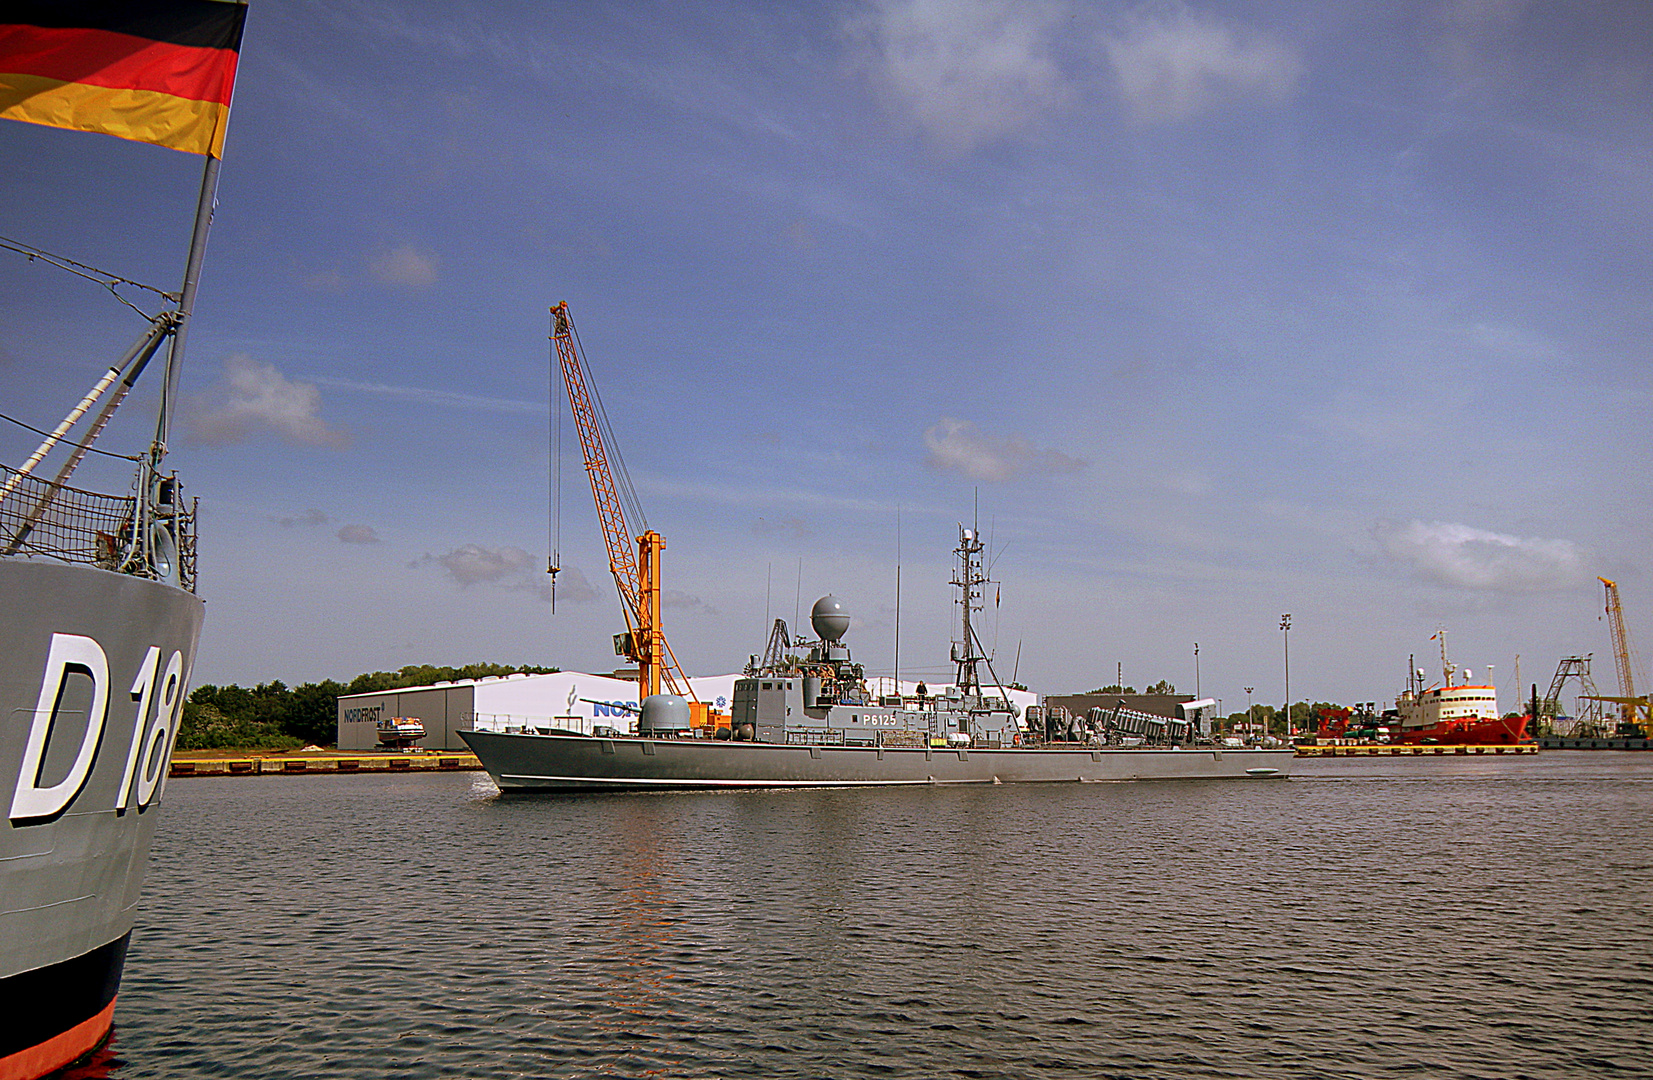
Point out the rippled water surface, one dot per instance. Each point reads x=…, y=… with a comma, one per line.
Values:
x=1432, y=918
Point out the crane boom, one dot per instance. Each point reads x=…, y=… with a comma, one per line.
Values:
x=1629, y=704
x=636, y=572
x=1621, y=644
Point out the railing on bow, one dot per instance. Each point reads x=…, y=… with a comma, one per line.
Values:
x=77, y=526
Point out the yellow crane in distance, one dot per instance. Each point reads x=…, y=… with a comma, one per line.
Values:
x=1634, y=711
x=636, y=570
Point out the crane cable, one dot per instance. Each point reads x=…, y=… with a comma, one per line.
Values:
x=554, y=525
x=622, y=478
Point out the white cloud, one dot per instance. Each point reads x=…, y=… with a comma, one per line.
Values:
x=791, y=526
x=327, y=281
x=967, y=73
x=671, y=598
x=1460, y=555
x=358, y=534
x=1173, y=64
x=473, y=564
x=442, y=399
x=957, y=446
x=571, y=586
x=255, y=397
x=404, y=265
x=311, y=516
x=509, y=568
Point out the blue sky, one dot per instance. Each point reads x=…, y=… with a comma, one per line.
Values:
x=1216, y=310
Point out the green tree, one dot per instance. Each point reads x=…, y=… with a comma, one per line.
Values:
x=204, y=726
x=311, y=712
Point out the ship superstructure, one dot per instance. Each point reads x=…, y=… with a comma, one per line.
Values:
x=820, y=695
x=1463, y=713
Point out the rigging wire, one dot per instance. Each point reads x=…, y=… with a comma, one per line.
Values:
x=112, y=282
x=47, y=435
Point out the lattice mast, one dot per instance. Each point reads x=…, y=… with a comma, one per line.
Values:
x=1588, y=721
x=636, y=572
x=969, y=580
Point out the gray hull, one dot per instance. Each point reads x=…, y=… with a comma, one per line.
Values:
x=522, y=762
x=92, y=678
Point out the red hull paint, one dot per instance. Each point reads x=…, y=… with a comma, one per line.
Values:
x=59, y=1050
x=1476, y=732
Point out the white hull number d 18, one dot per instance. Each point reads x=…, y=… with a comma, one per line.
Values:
x=147, y=751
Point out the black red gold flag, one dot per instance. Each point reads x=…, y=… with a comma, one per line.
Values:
x=157, y=71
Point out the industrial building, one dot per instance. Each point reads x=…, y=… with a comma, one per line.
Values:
x=572, y=700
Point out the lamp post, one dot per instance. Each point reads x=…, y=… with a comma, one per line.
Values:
x=1250, y=715
x=1285, y=629
x=1196, y=670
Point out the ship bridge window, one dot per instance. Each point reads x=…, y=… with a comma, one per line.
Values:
x=768, y=686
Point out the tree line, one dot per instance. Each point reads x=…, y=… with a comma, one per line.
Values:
x=1164, y=686
x=273, y=716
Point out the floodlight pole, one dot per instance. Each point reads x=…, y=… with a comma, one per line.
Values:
x=1285, y=629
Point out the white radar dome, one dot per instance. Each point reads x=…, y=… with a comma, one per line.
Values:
x=829, y=618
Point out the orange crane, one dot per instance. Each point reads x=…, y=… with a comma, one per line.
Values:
x=1632, y=709
x=636, y=572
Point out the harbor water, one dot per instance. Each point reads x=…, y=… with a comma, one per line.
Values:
x=1446, y=917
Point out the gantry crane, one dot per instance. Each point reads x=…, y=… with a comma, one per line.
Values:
x=1588, y=722
x=1633, y=710
x=636, y=572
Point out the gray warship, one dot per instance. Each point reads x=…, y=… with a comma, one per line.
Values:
x=810, y=720
x=98, y=587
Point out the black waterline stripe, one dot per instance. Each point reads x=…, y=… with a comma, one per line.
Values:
x=40, y=1004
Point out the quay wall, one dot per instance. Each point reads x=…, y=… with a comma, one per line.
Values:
x=333, y=765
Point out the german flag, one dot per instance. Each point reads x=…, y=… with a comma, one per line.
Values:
x=156, y=71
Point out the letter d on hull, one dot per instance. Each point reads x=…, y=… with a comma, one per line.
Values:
x=70, y=654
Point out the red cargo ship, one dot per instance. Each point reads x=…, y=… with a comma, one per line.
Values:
x=1461, y=715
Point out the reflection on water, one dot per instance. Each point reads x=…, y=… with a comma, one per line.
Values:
x=645, y=911
x=1367, y=918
